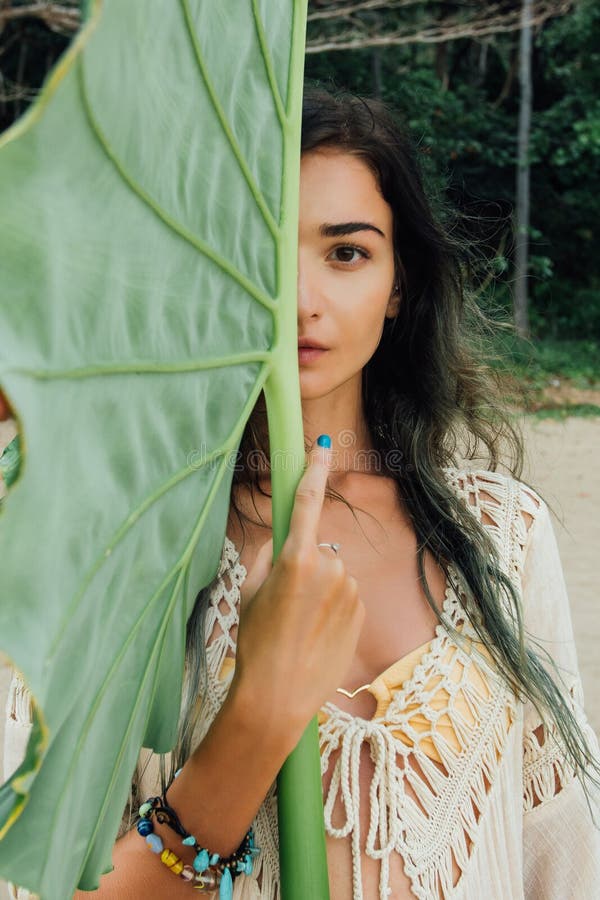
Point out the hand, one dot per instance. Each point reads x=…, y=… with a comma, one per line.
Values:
x=300, y=617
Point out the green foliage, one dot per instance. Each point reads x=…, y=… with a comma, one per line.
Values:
x=148, y=295
x=461, y=102
x=545, y=377
x=563, y=311
x=560, y=413
x=565, y=151
x=537, y=362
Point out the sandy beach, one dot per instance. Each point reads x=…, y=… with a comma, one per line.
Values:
x=562, y=465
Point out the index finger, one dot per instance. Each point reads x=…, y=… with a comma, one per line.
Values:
x=310, y=493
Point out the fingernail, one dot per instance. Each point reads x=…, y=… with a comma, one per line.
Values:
x=324, y=440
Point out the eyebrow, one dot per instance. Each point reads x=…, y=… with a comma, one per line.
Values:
x=343, y=228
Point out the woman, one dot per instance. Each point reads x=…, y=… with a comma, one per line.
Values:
x=450, y=749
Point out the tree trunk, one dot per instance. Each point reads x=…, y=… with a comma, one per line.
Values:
x=521, y=313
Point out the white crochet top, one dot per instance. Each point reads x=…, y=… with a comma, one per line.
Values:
x=466, y=779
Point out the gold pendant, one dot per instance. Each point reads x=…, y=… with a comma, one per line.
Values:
x=351, y=694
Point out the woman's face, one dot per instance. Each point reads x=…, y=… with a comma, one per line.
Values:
x=345, y=269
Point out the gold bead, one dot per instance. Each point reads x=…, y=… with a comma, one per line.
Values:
x=172, y=861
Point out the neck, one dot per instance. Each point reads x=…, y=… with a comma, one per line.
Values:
x=341, y=416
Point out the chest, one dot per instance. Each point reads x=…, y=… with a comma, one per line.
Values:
x=381, y=553
x=379, y=549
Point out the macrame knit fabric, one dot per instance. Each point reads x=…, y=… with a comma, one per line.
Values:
x=469, y=788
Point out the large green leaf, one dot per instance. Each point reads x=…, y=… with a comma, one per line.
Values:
x=148, y=228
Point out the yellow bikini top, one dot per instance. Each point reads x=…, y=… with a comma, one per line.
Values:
x=391, y=680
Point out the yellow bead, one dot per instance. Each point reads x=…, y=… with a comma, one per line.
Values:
x=177, y=867
x=171, y=860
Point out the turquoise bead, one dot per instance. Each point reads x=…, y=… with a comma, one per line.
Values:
x=155, y=843
x=201, y=861
x=226, y=886
x=145, y=809
x=214, y=859
x=248, y=866
x=189, y=841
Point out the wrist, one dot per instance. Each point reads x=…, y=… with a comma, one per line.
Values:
x=250, y=712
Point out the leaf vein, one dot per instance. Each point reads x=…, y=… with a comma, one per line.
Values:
x=177, y=227
x=180, y=566
x=162, y=489
x=268, y=61
x=252, y=185
x=143, y=368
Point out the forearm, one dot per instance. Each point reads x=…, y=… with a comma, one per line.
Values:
x=137, y=874
x=220, y=789
x=216, y=796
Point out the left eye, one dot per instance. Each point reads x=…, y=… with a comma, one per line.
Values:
x=346, y=254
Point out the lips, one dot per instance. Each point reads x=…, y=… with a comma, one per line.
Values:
x=309, y=344
x=310, y=354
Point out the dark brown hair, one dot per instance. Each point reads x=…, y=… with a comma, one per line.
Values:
x=428, y=398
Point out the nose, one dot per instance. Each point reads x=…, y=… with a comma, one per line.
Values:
x=309, y=304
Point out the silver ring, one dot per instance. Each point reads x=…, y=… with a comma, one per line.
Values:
x=334, y=547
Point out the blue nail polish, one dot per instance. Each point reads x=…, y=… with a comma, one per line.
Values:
x=324, y=440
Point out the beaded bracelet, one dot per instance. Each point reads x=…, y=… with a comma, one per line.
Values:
x=208, y=870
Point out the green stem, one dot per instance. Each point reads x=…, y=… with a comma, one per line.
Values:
x=302, y=854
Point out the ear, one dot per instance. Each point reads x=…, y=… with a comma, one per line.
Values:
x=393, y=303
